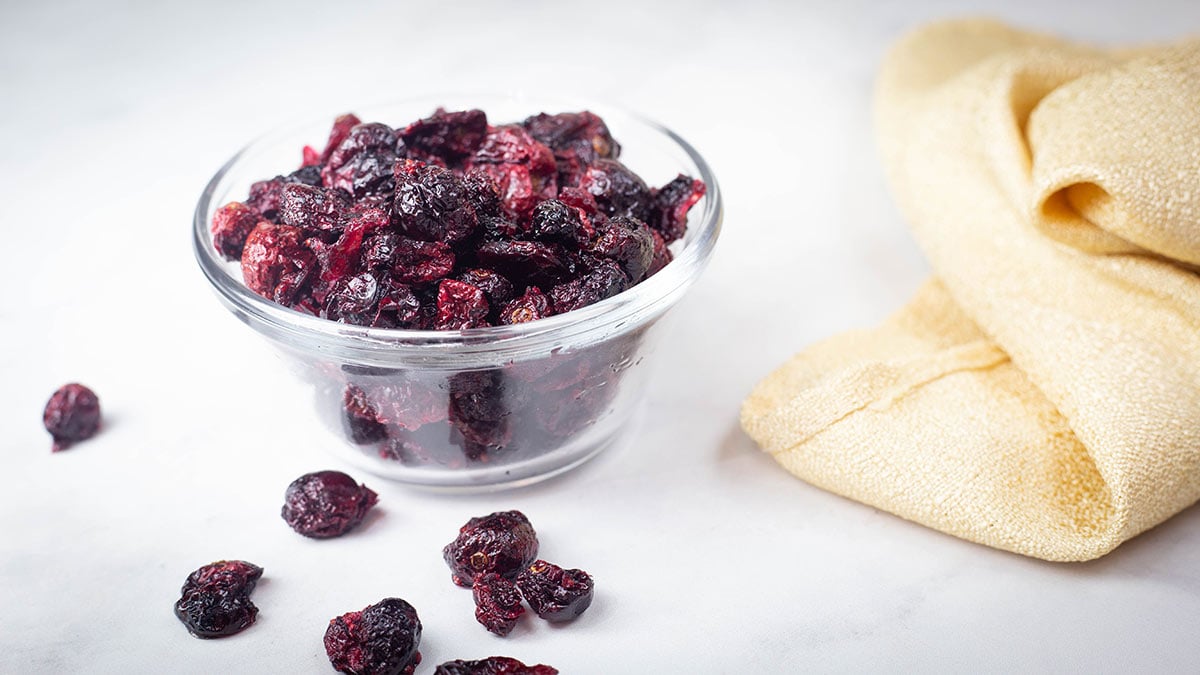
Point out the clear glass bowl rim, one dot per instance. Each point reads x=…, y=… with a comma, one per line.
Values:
x=489, y=345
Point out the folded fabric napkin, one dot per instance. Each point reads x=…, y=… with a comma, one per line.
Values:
x=1042, y=393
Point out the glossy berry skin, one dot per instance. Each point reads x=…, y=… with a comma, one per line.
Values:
x=432, y=204
x=503, y=543
x=460, y=306
x=553, y=593
x=531, y=306
x=492, y=665
x=497, y=603
x=554, y=222
x=231, y=224
x=71, y=415
x=618, y=191
x=670, y=205
x=382, y=639
x=603, y=281
x=275, y=262
x=215, y=600
x=630, y=243
x=360, y=419
x=326, y=504
x=361, y=165
x=451, y=136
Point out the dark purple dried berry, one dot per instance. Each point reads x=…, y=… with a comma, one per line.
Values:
x=360, y=419
x=497, y=603
x=460, y=306
x=670, y=205
x=231, y=224
x=555, y=222
x=432, y=204
x=577, y=139
x=313, y=208
x=341, y=129
x=502, y=542
x=353, y=299
x=630, y=243
x=553, y=593
x=617, y=190
x=361, y=165
x=603, y=281
x=399, y=307
x=71, y=415
x=492, y=665
x=215, y=600
x=326, y=504
x=531, y=306
x=382, y=639
x=479, y=413
x=275, y=262
x=498, y=289
x=453, y=136
x=537, y=262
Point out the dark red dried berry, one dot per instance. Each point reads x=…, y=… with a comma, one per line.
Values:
x=522, y=169
x=498, y=289
x=479, y=413
x=617, y=190
x=662, y=254
x=275, y=262
x=553, y=593
x=628, y=242
x=502, y=542
x=71, y=415
x=231, y=224
x=382, y=639
x=453, y=136
x=313, y=208
x=492, y=665
x=215, y=600
x=460, y=306
x=326, y=504
x=531, y=306
x=353, y=299
x=555, y=222
x=361, y=165
x=577, y=139
x=341, y=129
x=604, y=280
x=497, y=603
x=360, y=419
x=531, y=260
x=418, y=262
x=432, y=204
x=265, y=195
x=670, y=205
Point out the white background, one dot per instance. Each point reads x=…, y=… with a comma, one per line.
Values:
x=708, y=558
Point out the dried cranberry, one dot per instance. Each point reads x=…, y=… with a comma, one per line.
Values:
x=617, y=190
x=326, y=504
x=382, y=639
x=502, y=542
x=531, y=306
x=539, y=263
x=406, y=404
x=231, y=224
x=670, y=205
x=603, y=281
x=482, y=194
x=492, y=665
x=418, y=262
x=265, y=195
x=662, y=254
x=215, y=600
x=275, y=262
x=353, y=299
x=341, y=129
x=555, y=222
x=497, y=603
x=498, y=289
x=460, y=306
x=361, y=165
x=553, y=593
x=577, y=139
x=360, y=419
x=432, y=204
x=630, y=243
x=478, y=413
x=313, y=208
x=71, y=415
x=453, y=136
x=399, y=307
x=522, y=169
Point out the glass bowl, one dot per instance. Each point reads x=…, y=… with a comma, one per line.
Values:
x=486, y=407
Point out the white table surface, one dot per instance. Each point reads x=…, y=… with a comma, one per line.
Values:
x=708, y=557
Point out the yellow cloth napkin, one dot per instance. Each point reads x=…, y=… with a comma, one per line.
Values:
x=1042, y=394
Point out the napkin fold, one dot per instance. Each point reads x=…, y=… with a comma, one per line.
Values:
x=1042, y=393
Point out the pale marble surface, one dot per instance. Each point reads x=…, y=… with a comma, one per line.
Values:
x=708, y=558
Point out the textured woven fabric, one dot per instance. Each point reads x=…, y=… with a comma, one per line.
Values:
x=1042, y=394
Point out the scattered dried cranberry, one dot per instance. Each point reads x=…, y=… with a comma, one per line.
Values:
x=313, y=208
x=231, y=224
x=497, y=603
x=555, y=222
x=215, y=599
x=497, y=289
x=522, y=169
x=537, y=262
x=502, y=542
x=326, y=504
x=531, y=306
x=71, y=415
x=577, y=139
x=341, y=129
x=492, y=665
x=382, y=639
x=418, y=262
x=553, y=593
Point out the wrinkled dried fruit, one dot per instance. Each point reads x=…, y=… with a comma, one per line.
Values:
x=420, y=262
x=275, y=262
x=671, y=203
x=215, y=599
x=382, y=639
x=497, y=603
x=497, y=289
x=555, y=222
x=452, y=136
x=432, y=204
x=492, y=665
x=326, y=504
x=553, y=593
x=628, y=242
x=231, y=224
x=502, y=542
x=534, y=261
x=361, y=420
x=531, y=306
x=71, y=415
x=362, y=163
x=604, y=280
x=617, y=190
